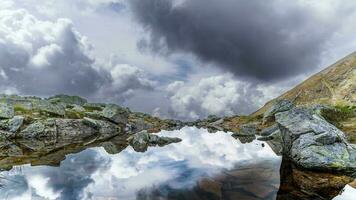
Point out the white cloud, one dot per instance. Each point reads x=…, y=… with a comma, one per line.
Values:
x=125, y=79
x=218, y=95
x=42, y=57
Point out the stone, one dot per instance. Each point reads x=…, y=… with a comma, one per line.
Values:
x=313, y=143
x=279, y=106
x=77, y=108
x=91, y=122
x=34, y=130
x=270, y=133
x=141, y=140
x=48, y=107
x=6, y=111
x=249, y=129
x=76, y=100
x=115, y=114
x=270, y=130
x=15, y=123
x=212, y=118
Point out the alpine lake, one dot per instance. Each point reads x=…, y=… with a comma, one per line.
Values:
x=202, y=166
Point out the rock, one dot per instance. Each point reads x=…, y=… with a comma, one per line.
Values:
x=212, y=118
x=141, y=140
x=270, y=133
x=91, y=122
x=6, y=111
x=15, y=123
x=139, y=125
x=279, y=106
x=115, y=114
x=48, y=107
x=77, y=108
x=77, y=129
x=244, y=139
x=76, y=100
x=270, y=130
x=249, y=129
x=303, y=184
x=313, y=143
x=34, y=130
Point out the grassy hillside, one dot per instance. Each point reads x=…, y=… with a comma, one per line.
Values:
x=336, y=85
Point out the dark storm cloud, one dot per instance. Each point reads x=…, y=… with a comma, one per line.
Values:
x=258, y=39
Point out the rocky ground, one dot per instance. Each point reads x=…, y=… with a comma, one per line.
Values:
x=44, y=126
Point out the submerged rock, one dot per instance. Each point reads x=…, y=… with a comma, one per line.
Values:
x=313, y=143
x=141, y=140
x=6, y=111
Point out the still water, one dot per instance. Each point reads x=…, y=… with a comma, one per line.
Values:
x=203, y=166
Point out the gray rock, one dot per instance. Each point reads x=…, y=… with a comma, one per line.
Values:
x=313, y=143
x=275, y=134
x=78, y=108
x=139, y=125
x=278, y=106
x=77, y=129
x=249, y=129
x=48, y=107
x=15, y=123
x=115, y=114
x=6, y=111
x=141, y=140
x=270, y=130
x=91, y=122
x=34, y=130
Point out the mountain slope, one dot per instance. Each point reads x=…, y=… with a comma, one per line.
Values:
x=335, y=85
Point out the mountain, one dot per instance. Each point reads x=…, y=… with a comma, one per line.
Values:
x=335, y=85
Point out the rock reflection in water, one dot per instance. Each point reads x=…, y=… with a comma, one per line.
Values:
x=202, y=166
x=298, y=184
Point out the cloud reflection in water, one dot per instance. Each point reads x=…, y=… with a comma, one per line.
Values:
x=93, y=173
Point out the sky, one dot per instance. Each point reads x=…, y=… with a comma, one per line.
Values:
x=183, y=59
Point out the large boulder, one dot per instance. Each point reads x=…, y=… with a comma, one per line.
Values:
x=313, y=143
x=115, y=114
x=6, y=111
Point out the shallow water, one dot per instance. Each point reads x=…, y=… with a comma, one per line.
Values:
x=203, y=166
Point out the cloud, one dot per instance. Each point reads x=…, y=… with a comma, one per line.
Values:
x=40, y=57
x=125, y=79
x=218, y=95
x=256, y=39
x=71, y=178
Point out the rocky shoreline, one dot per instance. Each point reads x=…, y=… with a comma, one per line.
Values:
x=301, y=134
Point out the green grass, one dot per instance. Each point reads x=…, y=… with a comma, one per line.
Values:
x=339, y=114
x=92, y=109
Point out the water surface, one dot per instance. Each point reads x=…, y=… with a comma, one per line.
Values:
x=203, y=166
